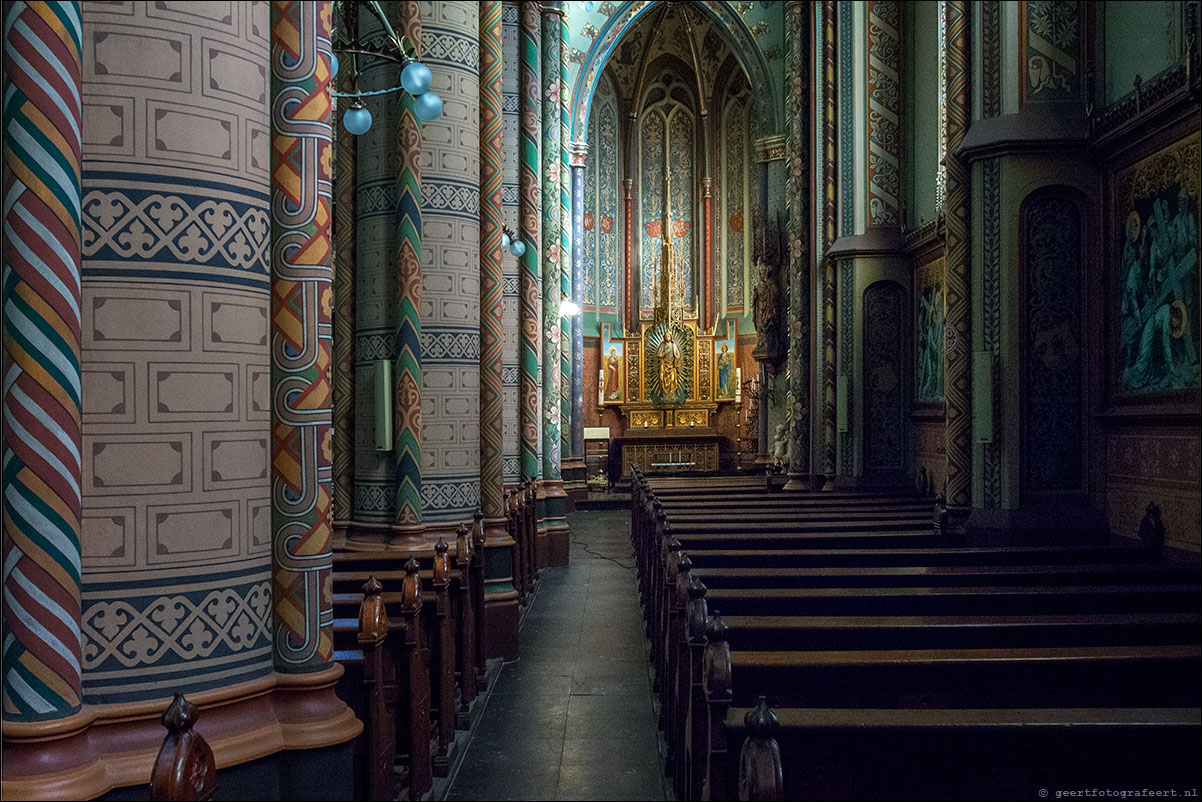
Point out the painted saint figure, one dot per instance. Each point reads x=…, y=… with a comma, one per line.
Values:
x=613, y=375
x=669, y=364
x=726, y=373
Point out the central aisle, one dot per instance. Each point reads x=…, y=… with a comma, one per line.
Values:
x=572, y=718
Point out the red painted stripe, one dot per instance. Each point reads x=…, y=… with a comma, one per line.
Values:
x=50, y=406
x=47, y=105
x=31, y=640
x=46, y=73
x=32, y=276
x=46, y=582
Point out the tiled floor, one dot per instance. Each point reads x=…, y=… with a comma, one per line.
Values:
x=572, y=718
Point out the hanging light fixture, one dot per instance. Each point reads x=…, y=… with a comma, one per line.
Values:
x=511, y=242
x=415, y=76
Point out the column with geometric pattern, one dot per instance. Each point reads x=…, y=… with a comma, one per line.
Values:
x=42, y=436
x=530, y=207
x=957, y=204
x=552, y=522
x=796, y=195
x=300, y=334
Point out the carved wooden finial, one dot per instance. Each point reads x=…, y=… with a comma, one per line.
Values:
x=411, y=587
x=760, y=774
x=940, y=518
x=373, y=618
x=717, y=659
x=697, y=611
x=185, y=768
x=1151, y=529
x=442, y=564
x=463, y=544
x=478, y=532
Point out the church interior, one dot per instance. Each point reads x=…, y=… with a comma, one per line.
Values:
x=637, y=399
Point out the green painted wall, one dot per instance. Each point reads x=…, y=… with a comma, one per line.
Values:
x=921, y=111
x=1142, y=38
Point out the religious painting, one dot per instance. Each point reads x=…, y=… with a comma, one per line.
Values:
x=613, y=358
x=726, y=383
x=668, y=359
x=1156, y=219
x=930, y=312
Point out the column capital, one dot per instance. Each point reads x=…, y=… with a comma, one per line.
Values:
x=770, y=148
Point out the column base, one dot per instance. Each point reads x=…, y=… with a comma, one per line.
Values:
x=554, y=532
x=501, y=618
x=797, y=481
x=110, y=746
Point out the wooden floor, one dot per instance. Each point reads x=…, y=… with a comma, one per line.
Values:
x=573, y=717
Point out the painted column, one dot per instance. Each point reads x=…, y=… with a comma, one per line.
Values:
x=567, y=282
x=42, y=437
x=632, y=302
x=491, y=335
x=707, y=282
x=300, y=334
x=796, y=196
x=958, y=328
x=450, y=309
x=511, y=269
x=500, y=599
x=407, y=349
x=529, y=53
x=344, y=312
x=553, y=497
x=883, y=160
x=830, y=130
x=578, y=156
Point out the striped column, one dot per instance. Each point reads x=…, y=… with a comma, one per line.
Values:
x=796, y=194
x=958, y=203
x=530, y=201
x=551, y=266
x=300, y=334
x=407, y=376
x=830, y=132
x=41, y=446
x=492, y=493
x=883, y=162
x=344, y=308
x=568, y=390
x=577, y=157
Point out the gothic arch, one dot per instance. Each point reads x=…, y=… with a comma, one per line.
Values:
x=739, y=38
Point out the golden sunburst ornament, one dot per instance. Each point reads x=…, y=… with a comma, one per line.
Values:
x=1178, y=318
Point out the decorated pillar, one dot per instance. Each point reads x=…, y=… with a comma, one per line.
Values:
x=407, y=350
x=552, y=524
x=632, y=302
x=883, y=160
x=829, y=223
x=568, y=390
x=796, y=196
x=577, y=161
x=500, y=597
x=300, y=334
x=957, y=205
x=343, y=383
x=530, y=199
x=42, y=437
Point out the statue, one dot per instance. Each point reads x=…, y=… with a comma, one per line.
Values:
x=780, y=448
x=765, y=306
x=669, y=364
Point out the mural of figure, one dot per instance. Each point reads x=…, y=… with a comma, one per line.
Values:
x=726, y=373
x=669, y=364
x=1158, y=297
x=930, y=344
x=613, y=375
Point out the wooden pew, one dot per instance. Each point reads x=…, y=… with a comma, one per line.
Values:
x=387, y=678
x=941, y=754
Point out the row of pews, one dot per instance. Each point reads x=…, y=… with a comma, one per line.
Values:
x=408, y=630
x=849, y=646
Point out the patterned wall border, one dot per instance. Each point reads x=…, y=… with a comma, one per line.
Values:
x=991, y=323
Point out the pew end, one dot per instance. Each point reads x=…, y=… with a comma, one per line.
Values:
x=184, y=769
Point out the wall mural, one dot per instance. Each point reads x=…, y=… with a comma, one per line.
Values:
x=1053, y=336
x=930, y=308
x=651, y=157
x=726, y=365
x=613, y=355
x=736, y=242
x=1156, y=214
